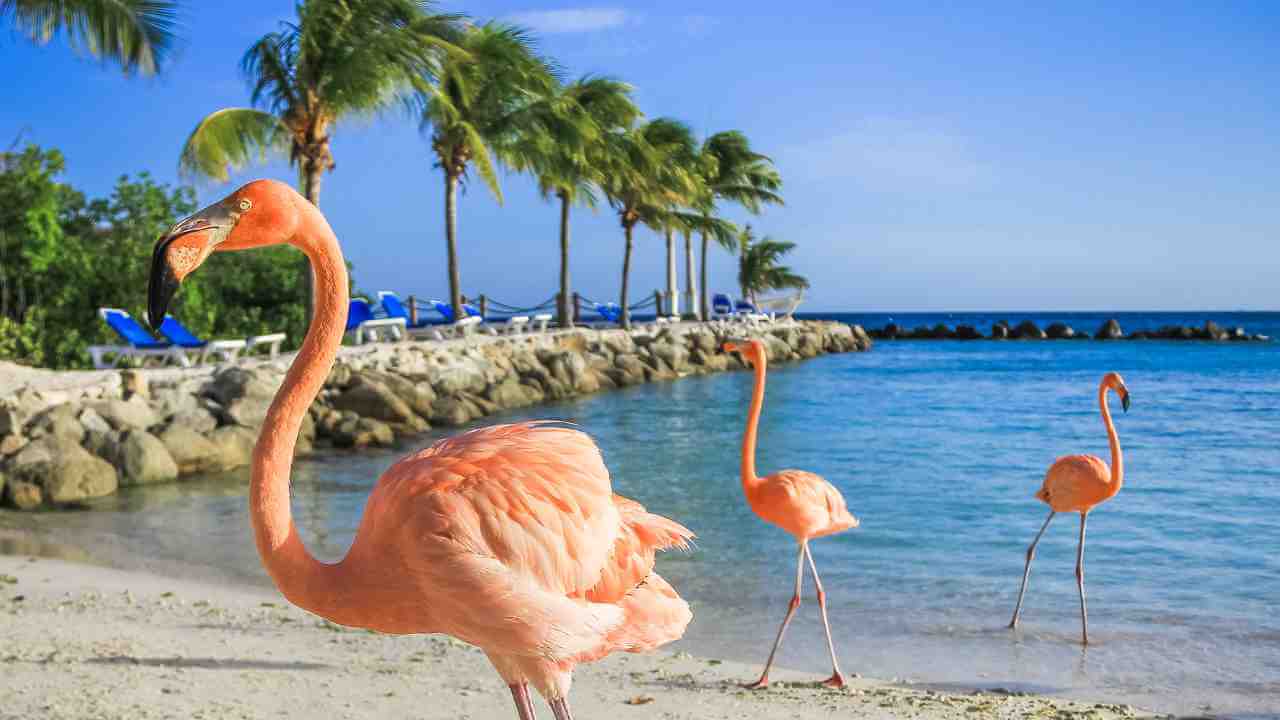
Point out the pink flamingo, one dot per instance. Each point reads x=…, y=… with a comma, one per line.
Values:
x=507, y=537
x=1079, y=483
x=799, y=502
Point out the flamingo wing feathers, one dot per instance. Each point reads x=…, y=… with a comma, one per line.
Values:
x=633, y=555
x=1075, y=483
x=803, y=504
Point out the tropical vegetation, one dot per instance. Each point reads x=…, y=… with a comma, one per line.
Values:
x=484, y=97
x=760, y=268
x=138, y=35
x=337, y=59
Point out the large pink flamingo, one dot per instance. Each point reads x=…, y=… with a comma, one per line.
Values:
x=799, y=502
x=507, y=537
x=1079, y=483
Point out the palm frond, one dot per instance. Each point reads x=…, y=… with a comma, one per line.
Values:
x=230, y=139
x=137, y=34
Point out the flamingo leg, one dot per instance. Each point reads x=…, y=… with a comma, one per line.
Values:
x=791, y=611
x=1026, y=572
x=837, y=678
x=524, y=706
x=1084, y=612
x=560, y=708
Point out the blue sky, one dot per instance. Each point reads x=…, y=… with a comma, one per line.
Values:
x=934, y=156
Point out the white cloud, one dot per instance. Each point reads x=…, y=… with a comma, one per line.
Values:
x=570, y=20
x=891, y=152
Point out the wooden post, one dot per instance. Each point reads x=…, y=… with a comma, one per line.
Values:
x=413, y=311
x=484, y=306
x=657, y=303
x=577, y=307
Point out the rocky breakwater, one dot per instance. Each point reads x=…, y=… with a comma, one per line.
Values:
x=67, y=446
x=1028, y=330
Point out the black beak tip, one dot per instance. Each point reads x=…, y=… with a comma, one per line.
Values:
x=159, y=292
x=1124, y=402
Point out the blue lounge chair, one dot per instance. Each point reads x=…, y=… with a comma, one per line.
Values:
x=610, y=314
x=721, y=307
x=394, y=308
x=360, y=319
x=179, y=335
x=446, y=310
x=139, y=345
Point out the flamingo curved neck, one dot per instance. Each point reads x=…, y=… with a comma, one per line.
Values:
x=749, y=479
x=1117, y=457
x=303, y=580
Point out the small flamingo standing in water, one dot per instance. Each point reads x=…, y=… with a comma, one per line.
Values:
x=1079, y=483
x=508, y=537
x=799, y=502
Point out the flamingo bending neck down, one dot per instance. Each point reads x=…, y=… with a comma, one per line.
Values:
x=1079, y=483
x=799, y=502
x=507, y=537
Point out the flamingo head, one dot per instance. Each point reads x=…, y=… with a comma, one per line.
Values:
x=264, y=212
x=1113, y=381
x=751, y=348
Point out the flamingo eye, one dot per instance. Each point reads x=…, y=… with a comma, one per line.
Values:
x=245, y=204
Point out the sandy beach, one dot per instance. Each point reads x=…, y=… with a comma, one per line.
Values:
x=85, y=641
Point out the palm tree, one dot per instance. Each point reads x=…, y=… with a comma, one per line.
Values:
x=564, y=152
x=644, y=178
x=733, y=172
x=477, y=112
x=340, y=58
x=758, y=268
x=137, y=34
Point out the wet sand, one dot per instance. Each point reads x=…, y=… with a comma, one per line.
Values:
x=83, y=641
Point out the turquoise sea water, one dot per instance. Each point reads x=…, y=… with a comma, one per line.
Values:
x=938, y=447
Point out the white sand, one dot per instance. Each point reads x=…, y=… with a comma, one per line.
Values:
x=80, y=641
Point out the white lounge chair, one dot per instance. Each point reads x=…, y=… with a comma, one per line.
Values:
x=140, y=344
x=541, y=319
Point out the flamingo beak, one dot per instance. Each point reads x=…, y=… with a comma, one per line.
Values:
x=1124, y=399
x=171, y=261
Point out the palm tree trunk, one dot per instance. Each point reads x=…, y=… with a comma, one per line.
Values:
x=562, y=305
x=703, y=305
x=673, y=291
x=451, y=242
x=690, y=286
x=626, y=273
x=312, y=175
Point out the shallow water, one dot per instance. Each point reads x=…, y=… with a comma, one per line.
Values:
x=938, y=447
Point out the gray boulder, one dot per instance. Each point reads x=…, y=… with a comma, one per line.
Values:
x=63, y=471
x=59, y=420
x=11, y=443
x=1110, y=330
x=244, y=394
x=1028, y=330
x=451, y=410
x=675, y=356
x=23, y=495
x=92, y=422
x=198, y=419
x=191, y=451
x=417, y=395
x=368, y=398
x=234, y=445
x=1060, y=331
x=133, y=414
x=143, y=459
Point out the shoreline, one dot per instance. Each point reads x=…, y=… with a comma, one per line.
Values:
x=67, y=438
x=127, y=644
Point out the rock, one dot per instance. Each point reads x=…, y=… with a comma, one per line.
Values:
x=362, y=432
x=1213, y=331
x=234, y=445
x=862, y=341
x=59, y=420
x=631, y=369
x=133, y=383
x=64, y=472
x=132, y=414
x=367, y=398
x=11, y=443
x=1028, y=330
x=11, y=420
x=1110, y=330
x=1000, y=331
x=1059, y=331
x=675, y=356
x=509, y=394
x=891, y=331
x=92, y=422
x=143, y=459
x=244, y=394
x=379, y=432
x=199, y=420
x=191, y=452
x=704, y=341
x=417, y=395
x=23, y=495
x=339, y=377
x=967, y=332
x=450, y=410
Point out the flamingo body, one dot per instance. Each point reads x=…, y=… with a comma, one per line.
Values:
x=1077, y=483
x=507, y=537
x=802, y=503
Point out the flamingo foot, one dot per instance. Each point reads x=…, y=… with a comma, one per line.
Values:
x=760, y=684
x=836, y=681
